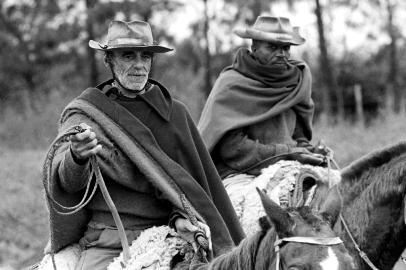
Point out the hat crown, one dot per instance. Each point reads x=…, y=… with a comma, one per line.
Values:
x=129, y=35
x=273, y=24
x=125, y=33
x=272, y=29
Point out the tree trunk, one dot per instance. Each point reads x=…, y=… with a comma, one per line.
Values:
x=393, y=61
x=359, y=104
x=207, y=58
x=327, y=74
x=91, y=54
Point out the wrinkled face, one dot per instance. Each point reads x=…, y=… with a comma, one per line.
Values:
x=131, y=67
x=271, y=53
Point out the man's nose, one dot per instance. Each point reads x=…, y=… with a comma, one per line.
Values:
x=138, y=63
x=281, y=52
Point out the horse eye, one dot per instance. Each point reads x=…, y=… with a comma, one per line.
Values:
x=294, y=268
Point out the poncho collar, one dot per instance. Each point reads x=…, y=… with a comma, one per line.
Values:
x=271, y=76
x=157, y=97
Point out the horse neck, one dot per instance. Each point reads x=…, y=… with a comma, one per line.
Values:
x=373, y=211
x=253, y=253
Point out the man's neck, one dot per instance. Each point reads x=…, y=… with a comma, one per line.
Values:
x=130, y=93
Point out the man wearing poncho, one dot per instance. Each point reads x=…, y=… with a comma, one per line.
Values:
x=260, y=109
x=150, y=153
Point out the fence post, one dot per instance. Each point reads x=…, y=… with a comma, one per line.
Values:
x=358, y=104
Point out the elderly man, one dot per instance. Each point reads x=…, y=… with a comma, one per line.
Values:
x=260, y=109
x=150, y=154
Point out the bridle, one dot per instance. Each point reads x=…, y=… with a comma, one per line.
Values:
x=320, y=241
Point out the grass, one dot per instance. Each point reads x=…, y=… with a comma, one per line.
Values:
x=23, y=216
x=349, y=142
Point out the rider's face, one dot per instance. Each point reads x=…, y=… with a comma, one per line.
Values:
x=268, y=53
x=131, y=67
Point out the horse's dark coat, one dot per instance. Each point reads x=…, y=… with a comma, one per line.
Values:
x=373, y=191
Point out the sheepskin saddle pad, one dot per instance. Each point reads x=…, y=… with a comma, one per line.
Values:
x=155, y=248
x=288, y=183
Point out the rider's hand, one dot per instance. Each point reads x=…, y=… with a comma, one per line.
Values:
x=84, y=144
x=304, y=156
x=322, y=149
x=187, y=231
x=303, y=150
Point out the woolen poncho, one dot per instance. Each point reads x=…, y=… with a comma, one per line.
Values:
x=239, y=100
x=193, y=175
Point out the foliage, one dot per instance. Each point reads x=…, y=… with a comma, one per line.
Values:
x=36, y=59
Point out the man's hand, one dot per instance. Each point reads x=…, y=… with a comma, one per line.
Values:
x=84, y=144
x=304, y=156
x=187, y=231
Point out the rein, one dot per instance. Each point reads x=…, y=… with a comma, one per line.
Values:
x=362, y=254
x=321, y=241
x=95, y=171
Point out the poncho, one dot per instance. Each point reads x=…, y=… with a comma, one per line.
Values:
x=238, y=101
x=204, y=190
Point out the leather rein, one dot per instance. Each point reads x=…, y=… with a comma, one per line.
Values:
x=95, y=173
x=99, y=182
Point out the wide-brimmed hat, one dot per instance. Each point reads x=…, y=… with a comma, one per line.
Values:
x=272, y=29
x=135, y=34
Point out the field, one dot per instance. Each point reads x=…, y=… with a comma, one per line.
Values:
x=23, y=217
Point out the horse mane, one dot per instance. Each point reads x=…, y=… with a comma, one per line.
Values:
x=373, y=160
x=368, y=184
x=244, y=256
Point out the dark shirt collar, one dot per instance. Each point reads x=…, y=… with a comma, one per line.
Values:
x=157, y=97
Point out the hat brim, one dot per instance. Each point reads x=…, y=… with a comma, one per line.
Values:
x=150, y=48
x=270, y=37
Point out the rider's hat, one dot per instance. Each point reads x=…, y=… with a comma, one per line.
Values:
x=124, y=35
x=272, y=29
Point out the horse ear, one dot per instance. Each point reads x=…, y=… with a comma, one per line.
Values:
x=283, y=223
x=331, y=207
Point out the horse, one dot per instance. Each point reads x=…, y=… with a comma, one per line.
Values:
x=370, y=202
x=292, y=238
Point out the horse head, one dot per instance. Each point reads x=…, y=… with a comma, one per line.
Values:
x=303, y=239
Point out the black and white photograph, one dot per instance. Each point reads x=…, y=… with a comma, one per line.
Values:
x=203, y=135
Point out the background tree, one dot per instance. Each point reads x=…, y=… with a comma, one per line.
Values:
x=327, y=73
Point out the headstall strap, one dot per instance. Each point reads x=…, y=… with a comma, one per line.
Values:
x=321, y=241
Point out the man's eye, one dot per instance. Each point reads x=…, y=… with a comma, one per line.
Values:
x=286, y=48
x=146, y=56
x=127, y=56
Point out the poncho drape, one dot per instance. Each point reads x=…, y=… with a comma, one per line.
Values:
x=204, y=191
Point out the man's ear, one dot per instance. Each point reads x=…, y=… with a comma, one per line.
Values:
x=106, y=61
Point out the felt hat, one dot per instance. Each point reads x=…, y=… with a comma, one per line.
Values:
x=272, y=29
x=124, y=35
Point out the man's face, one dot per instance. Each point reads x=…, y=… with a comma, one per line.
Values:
x=131, y=67
x=268, y=53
